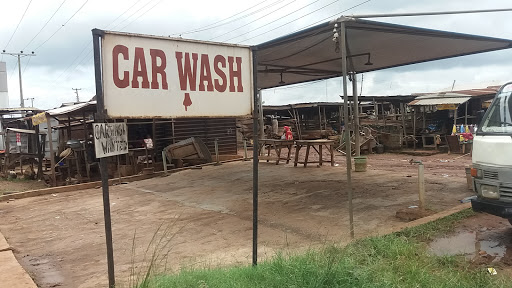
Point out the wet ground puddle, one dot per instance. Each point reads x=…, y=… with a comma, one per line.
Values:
x=467, y=244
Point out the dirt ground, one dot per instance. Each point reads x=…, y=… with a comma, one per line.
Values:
x=59, y=239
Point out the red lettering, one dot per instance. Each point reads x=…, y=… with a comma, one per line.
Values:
x=139, y=69
x=219, y=59
x=235, y=73
x=158, y=69
x=206, y=74
x=120, y=83
x=185, y=72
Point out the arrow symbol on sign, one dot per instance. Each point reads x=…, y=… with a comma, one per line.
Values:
x=187, y=101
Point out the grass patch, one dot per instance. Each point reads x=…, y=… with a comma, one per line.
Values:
x=396, y=260
x=428, y=231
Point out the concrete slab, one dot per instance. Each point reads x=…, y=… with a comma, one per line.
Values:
x=12, y=275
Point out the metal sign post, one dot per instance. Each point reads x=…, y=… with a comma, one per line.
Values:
x=188, y=78
x=347, y=129
x=96, y=34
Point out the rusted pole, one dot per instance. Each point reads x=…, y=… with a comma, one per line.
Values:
x=347, y=129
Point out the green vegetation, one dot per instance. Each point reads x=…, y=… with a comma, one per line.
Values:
x=397, y=260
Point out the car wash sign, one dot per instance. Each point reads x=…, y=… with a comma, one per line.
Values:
x=110, y=139
x=168, y=77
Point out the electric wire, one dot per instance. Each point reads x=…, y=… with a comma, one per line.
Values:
x=122, y=14
x=236, y=19
x=44, y=26
x=17, y=26
x=287, y=23
x=144, y=13
x=131, y=15
x=279, y=19
x=13, y=69
x=240, y=27
x=65, y=23
x=26, y=65
x=206, y=26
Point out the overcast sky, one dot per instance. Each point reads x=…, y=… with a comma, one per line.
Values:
x=63, y=45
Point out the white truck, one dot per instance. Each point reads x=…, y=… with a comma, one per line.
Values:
x=492, y=157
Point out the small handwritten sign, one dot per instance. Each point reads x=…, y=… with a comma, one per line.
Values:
x=110, y=139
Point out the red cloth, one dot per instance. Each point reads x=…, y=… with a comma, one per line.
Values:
x=467, y=136
x=288, y=133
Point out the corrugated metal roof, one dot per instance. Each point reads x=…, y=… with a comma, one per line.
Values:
x=68, y=109
x=438, y=101
x=24, y=131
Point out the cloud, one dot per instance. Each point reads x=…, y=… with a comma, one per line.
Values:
x=65, y=61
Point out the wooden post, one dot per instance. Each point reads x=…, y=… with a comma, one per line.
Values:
x=40, y=155
x=455, y=118
x=52, y=155
x=325, y=119
x=421, y=185
x=376, y=109
x=402, y=111
x=320, y=120
x=466, y=116
x=414, y=127
x=424, y=120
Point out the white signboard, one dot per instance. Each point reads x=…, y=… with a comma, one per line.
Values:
x=148, y=76
x=110, y=139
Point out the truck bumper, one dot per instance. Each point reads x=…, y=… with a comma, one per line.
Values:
x=492, y=207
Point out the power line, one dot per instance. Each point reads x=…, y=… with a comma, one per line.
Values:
x=13, y=69
x=307, y=15
x=26, y=65
x=88, y=44
x=258, y=19
x=51, y=17
x=151, y=8
x=121, y=15
x=131, y=15
x=62, y=25
x=192, y=31
x=231, y=21
x=17, y=26
x=278, y=19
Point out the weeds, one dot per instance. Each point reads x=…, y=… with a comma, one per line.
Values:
x=396, y=260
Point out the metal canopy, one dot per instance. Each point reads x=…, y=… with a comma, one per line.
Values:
x=439, y=101
x=311, y=54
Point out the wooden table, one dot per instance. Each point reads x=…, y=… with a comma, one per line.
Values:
x=329, y=144
x=277, y=145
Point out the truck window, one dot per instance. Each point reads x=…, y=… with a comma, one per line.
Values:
x=498, y=119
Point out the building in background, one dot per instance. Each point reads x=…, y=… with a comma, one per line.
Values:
x=4, y=96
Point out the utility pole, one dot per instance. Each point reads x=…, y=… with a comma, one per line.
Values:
x=19, y=55
x=76, y=91
x=31, y=101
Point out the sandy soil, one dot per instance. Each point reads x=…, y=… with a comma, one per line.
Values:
x=60, y=239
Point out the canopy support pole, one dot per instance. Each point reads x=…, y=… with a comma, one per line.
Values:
x=356, y=115
x=256, y=117
x=347, y=128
